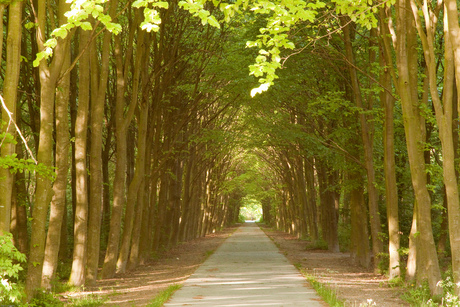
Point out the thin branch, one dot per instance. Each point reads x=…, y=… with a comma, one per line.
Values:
x=17, y=128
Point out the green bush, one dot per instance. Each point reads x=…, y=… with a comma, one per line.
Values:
x=419, y=296
x=11, y=292
x=45, y=299
x=383, y=263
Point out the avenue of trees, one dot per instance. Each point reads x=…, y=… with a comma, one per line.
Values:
x=134, y=129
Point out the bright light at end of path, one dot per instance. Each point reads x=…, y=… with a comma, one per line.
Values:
x=250, y=210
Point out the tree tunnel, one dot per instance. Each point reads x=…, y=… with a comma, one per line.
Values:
x=134, y=141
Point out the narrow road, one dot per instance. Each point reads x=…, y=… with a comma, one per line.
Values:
x=246, y=270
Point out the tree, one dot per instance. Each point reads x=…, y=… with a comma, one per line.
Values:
x=8, y=101
x=49, y=74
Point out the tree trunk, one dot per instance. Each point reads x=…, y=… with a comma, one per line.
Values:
x=453, y=34
x=43, y=192
x=99, y=80
x=19, y=211
x=328, y=214
x=391, y=189
x=122, y=123
x=10, y=90
x=374, y=214
x=359, y=248
x=311, y=194
x=58, y=203
x=139, y=195
x=444, y=118
x=2, y=12
x=406, y=55
x=411, y=266
x=77, y=276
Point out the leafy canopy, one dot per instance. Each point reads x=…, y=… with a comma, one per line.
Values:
x=280, y=15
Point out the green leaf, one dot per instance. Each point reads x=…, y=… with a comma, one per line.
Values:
x=86, y=26
x=51, y=43
x=60, y=32
x=37, y=60
x=161, y=4
x=30, y=25
x=139, y=3
x=213, y=22
x=203, y=14
x=289, y=45
x=262, y=88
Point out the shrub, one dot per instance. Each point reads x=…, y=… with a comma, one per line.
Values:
x=11, y=291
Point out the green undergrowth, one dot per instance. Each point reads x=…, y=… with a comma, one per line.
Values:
x=419, y=295
x=50, y=299
x=324, y=291
x=163, y=296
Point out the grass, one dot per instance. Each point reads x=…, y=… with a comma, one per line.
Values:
x=50, y=299
x=90, y=300
x=326, y=293
x=163, y=296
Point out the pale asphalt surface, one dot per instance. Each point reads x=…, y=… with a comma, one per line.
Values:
x=246, y=270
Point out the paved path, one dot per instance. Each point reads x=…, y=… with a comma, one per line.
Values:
x=246, y=270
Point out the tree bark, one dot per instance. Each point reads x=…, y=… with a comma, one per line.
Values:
x=10, y=89
x=406, y=55
x=329, y=223
x=99, y=82
x=137, y=197
x=391, y=189
x=77, y=276
x=453, y=33
x=43, y=192
x=122, y=123
x=444, y=119
x=374, y=214
x=360, y=251
x=58, y=203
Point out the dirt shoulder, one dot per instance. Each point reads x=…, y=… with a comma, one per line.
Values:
x=353, y=284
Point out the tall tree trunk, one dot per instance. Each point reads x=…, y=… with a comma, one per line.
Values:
x=391, y=189
x=58, y=203
x=99, y=81
x=10, y=89
x=374, y=214
x=43, y=192
x=139, y=171
x=77, y=276
x=122, y=123
x=311, y=194
x=427, y=261
x=453, y=32
x=137, y=197
x=444, y=119
x=329, y=222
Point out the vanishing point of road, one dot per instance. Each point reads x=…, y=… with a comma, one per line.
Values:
x=246, y=270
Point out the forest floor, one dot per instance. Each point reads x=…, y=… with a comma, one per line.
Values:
x=352, y=284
